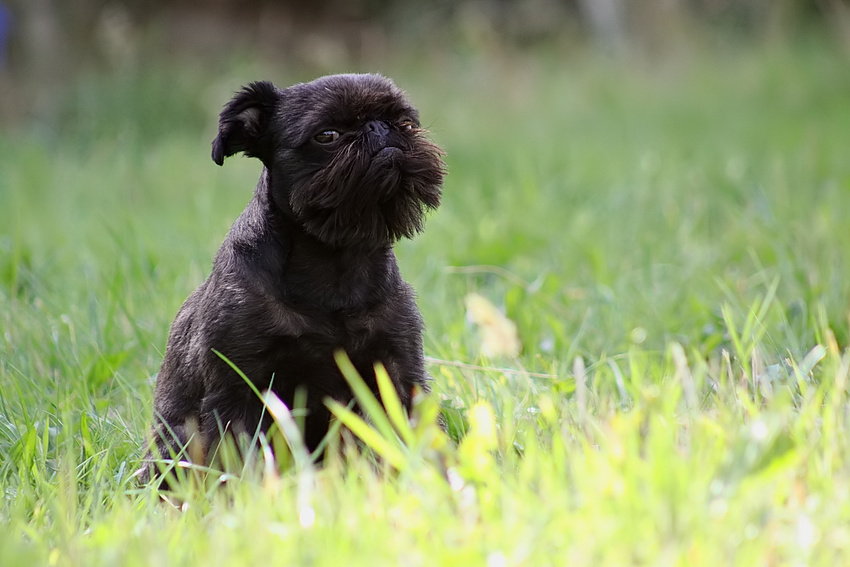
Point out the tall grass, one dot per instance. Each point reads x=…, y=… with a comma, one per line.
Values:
x=669, y=242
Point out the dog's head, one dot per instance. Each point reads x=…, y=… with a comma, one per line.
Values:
x=345, y=153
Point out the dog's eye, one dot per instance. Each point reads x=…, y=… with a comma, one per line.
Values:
x=327, y=137
x=407, y=124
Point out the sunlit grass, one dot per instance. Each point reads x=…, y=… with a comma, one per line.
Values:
x=669, y=243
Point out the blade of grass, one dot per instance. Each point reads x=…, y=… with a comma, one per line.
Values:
x=392, y=404
x=367, y=401
x=385, y=447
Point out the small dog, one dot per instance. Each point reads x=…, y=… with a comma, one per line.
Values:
x=308, y=268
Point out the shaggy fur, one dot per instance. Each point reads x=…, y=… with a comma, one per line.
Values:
x=308, y=268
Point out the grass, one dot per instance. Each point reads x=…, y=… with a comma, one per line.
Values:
x=668, y=240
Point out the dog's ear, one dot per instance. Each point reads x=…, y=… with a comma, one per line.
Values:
x=244, y=123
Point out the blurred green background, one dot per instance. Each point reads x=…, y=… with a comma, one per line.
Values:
x=618, y=171
x=599, y=150
x=49, y=46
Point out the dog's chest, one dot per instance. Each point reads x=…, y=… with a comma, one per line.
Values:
x=307, y=356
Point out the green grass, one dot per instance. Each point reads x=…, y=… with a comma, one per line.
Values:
x=671, y=242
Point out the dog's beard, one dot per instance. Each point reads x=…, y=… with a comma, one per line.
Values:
x=370, y=195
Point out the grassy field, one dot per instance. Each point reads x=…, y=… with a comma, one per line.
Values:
x=670, y=241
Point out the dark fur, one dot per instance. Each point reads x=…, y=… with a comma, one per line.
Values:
x=308, y=268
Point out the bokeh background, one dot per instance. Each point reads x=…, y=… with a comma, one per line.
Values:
x=614, y=158
x=48, y=46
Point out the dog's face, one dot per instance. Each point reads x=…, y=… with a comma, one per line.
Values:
x=345, y=153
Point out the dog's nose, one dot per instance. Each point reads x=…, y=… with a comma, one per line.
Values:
x=377, y=127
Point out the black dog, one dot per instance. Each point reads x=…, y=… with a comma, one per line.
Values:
x=308, y=268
